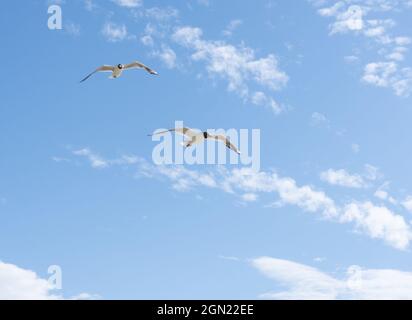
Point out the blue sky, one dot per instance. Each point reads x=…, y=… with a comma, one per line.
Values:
x=328, y=83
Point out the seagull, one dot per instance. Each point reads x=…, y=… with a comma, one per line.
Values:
x=118, y=70
x=196, y=137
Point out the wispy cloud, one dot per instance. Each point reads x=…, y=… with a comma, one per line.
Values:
x=305, y=282
x=319, y=120
x=343, y=178
x=72, y=28
x=377, y=222
x=237, y=65
x=129, y=3
x=407, y=203
x=231, y=27
x=90, y=5
x=98, y=162
x=229, y=258
x=114, y=32
x=162, y=14
x=167, y=55
x=382, y=194
x=370, y=19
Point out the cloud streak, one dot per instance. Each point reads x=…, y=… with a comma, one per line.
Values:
x=305, y=282
x=376, y=222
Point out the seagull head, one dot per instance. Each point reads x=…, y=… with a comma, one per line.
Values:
x=120, y=66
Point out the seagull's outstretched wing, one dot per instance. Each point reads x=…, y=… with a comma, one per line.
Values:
x=226, y=141
x=100, y=69
x=138, y=64
x=183, y=131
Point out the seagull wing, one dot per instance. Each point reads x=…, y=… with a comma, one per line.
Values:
x=100, y=69
x=183, y=131
x=190, y=133
x=227, y=142
x=138, y=64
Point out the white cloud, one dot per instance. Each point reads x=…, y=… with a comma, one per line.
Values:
x=318, y=119
x=343, y=178
x=147, y=40
x=162, y=13
x=331, y=11
x=231, y=27
x=349, y=20
x=380, y=73
x=384, y=195
x=114, y=32
x=372, y=173
x=253, y=79
x=95, y=160
x=398, y=54
x=60, y=159
x=355, y=17
x=305, y=197
x=167, y=56
x=22, y=284
x=205, y=3
x=407, y=203
x=355, y=147
x=89, y=5
x=351, y=59
x=389, y=75
x=249, y=197
x=86, y=296
x=129, y=3
x=182, y=179
x=377, y=222
x=98, y=162
x=72, y=29
x=259, y=98
x=229, y=258
x=304, y=282
x=237, y=65
x=319, y=259
x=381, y=194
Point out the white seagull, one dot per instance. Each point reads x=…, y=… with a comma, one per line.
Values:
x=118, y=70
x=196, y=137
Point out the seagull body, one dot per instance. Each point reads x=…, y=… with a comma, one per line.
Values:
x=118, y=70
x=197, y=137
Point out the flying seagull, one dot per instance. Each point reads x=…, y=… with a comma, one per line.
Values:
x=196, y=137
x=118, y=70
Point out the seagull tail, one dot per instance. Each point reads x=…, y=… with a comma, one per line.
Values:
x=157, y=133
